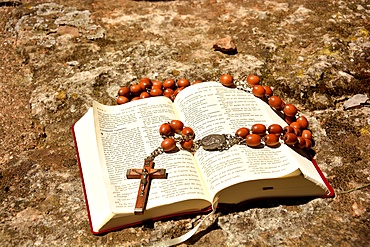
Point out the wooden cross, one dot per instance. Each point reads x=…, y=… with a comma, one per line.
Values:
x=145, y=175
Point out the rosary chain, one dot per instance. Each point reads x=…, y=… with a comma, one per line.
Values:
x=158, y=151
x=231, y=141
x=223, y=142
x=240, y=85
x=196, y=146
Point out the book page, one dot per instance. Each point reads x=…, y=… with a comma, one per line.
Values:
x=309, y=171
x=94, y=186
x=210, y=108
x=126, y=135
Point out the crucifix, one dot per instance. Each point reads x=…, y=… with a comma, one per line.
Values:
x=145, y=175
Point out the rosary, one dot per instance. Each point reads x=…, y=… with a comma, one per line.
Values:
x=175, y=134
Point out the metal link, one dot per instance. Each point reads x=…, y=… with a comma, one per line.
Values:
x=196, y=146
x=158, y=151
x=231, y=141
x=243, y=86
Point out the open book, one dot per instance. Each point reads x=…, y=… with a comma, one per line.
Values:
x=111, y=139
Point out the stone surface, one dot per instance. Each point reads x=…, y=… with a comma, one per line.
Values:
x=58, y=56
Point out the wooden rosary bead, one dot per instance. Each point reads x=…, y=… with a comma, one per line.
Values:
x=290, y=139
x=259, y=129
x=253, y=80
x=271, y=140
x=135, y=98
x=301, y=142
x=122, y=100
x=197, y=81
x=290, y=110
x=275, y=102
x=135, y=89
x=157, y=84
x=308, y=144
x=170, y=96
x=295, y=125
x=242, y=132
x=188, y=132
x=307, y=134
x=258, y=91
x=227, y=80
x=296, y=128
x=145, y=83
x=166, y=130
x=168, y=144
x=177, y=125
x=169, y=83
x=145, y=79
x=168, y=92
x=156, y=92
x=275, y=129
x=177, y=91
x=303, y=122
x=183, y=82
x=268, y=91
x=289, y=120
x=253, y=140
x=297, y=131
x=124, y=91
x=288, y=129
x=187, y=144
x=144, y=95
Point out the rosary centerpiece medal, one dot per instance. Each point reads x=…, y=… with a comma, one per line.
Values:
x=213, y=142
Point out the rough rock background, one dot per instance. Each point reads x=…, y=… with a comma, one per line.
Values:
x=56, y=57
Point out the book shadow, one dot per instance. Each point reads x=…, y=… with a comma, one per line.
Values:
x=307, y=153
x=229, y=209
x=196, y=237
x=225, y=209
x=265, y=203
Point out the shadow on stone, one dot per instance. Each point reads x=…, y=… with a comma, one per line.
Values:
x=265, y=203
x=195, y=238
x=10, y=3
